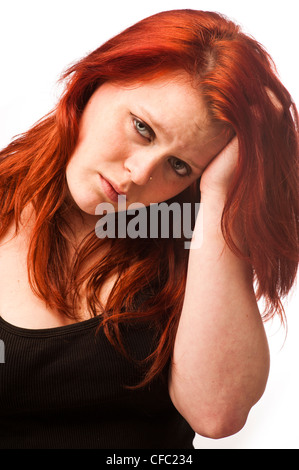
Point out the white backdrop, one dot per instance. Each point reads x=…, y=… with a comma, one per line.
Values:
x=39, y=39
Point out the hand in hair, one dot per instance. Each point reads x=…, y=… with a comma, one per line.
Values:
x=218, y=175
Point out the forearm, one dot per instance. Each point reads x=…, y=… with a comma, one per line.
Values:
x=221, y=359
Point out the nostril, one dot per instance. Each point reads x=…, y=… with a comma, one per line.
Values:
x=140, y=176
x=141, y=167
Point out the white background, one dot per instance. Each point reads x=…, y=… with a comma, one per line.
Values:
x=39, y=39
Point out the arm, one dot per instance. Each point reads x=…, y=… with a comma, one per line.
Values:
x=221, y=358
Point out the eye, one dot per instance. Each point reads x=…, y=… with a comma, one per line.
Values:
x=181, y=168
x=143, y=129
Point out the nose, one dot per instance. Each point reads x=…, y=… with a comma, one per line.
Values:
x=142, y=165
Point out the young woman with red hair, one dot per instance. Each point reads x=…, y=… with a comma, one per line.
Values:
x=139, y=342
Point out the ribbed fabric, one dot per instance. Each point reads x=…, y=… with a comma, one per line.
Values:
x=65, y=388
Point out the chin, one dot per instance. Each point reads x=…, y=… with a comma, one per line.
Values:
x=88, y=208
x=85, y=205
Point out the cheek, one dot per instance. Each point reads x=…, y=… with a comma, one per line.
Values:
x=160, y=192
x=100, y=136
x=111, y=146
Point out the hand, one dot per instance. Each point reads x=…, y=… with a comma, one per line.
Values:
x=218, y=175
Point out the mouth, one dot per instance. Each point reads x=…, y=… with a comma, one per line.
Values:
x=111, y=190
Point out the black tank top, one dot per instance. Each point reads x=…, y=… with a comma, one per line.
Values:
x=66, y=388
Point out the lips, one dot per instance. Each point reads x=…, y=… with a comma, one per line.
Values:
x=111, y=191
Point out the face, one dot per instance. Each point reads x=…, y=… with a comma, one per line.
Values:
x=146, y=141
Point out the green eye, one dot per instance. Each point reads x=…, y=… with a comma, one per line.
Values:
x=181, y=168
x=143, y=129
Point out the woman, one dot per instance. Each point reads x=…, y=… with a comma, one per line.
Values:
x=138, y=342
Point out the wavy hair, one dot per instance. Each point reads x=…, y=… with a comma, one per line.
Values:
x=241, y=88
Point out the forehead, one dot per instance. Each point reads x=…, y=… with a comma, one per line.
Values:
x=176, y=111
x=172, y=94
x=176, y=107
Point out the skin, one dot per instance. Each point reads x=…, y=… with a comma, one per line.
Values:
x=221, y=358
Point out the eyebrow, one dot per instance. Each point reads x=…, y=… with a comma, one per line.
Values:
x=162, y=129
x=155, y=123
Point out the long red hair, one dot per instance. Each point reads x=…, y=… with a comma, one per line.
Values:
x=241, y=88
